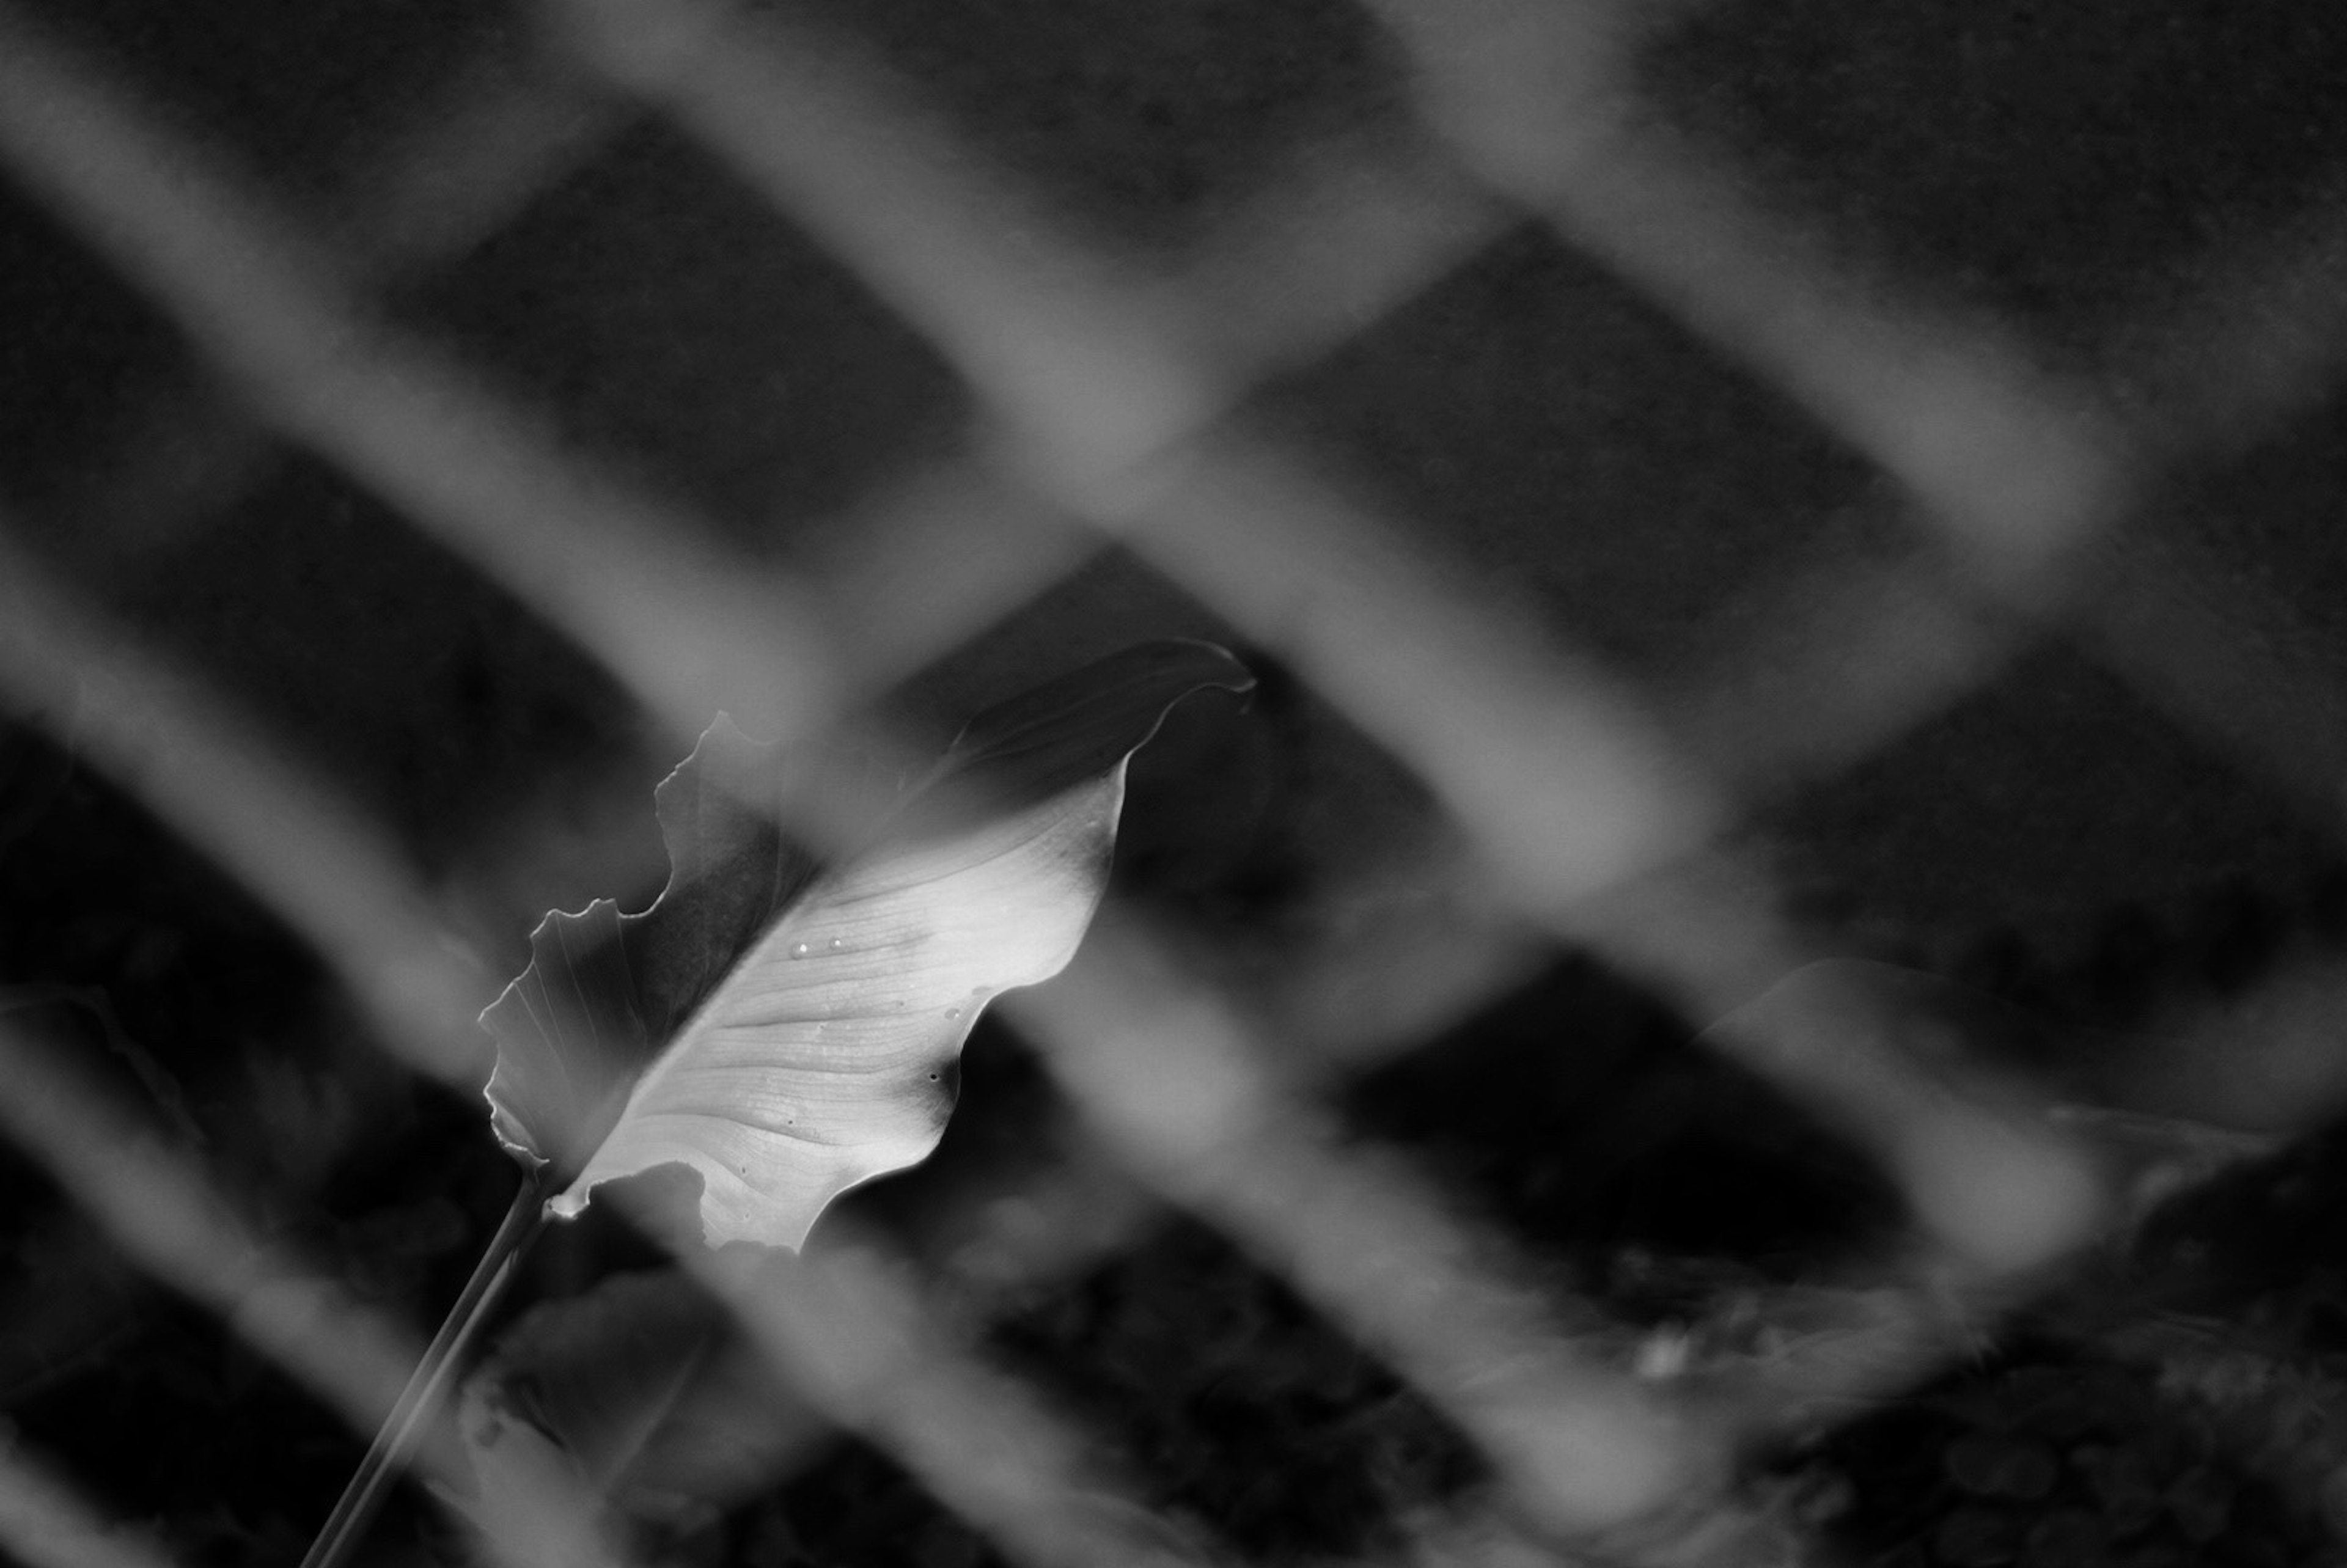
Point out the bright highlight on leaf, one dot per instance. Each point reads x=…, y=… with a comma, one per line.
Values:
x=787, y=1028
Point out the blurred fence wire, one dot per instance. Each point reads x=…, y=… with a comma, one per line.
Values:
x=43, y=1524
x=1121, y=411
x=164, y=1215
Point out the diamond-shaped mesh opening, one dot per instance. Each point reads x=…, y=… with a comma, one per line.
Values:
x=765, y=384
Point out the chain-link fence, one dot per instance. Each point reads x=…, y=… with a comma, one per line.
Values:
x=1704, y=491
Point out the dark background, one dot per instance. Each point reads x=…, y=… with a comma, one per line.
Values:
x=2086, y=177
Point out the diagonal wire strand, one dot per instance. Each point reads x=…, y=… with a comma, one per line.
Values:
x=1559, y=782
x=846, y=1324
x=2012, y=463
x=165, y=1215
x=1165, y=1078
x=1616, y=803
x=448, y=176
x=226, y=789
x=45, y=1523
x=685, y=629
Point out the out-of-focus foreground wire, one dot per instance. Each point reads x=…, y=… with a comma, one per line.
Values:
x=686, y=632
x=46, y=1523
x=1116, y=415
x=1560, y=782
x=1165, y=1076
x=849, y=1329
x=2003, y=457
x=164, y=1214
x=224, y=788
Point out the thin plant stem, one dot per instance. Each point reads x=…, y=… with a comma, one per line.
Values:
x=404, y=1428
